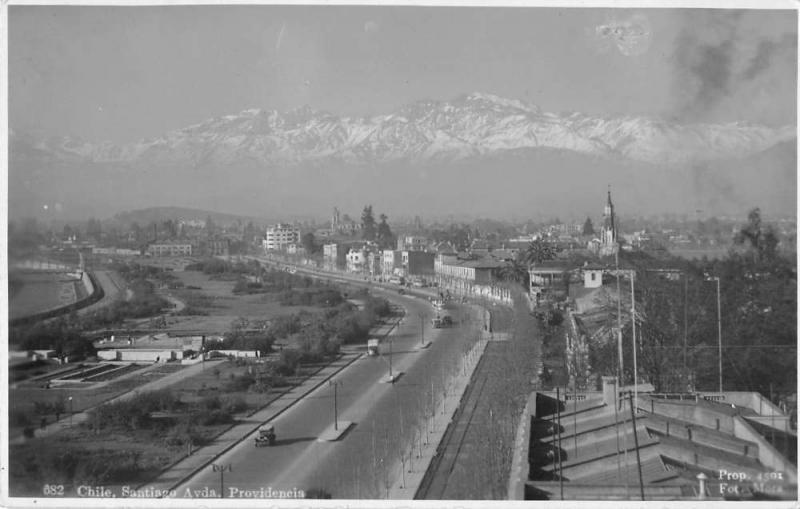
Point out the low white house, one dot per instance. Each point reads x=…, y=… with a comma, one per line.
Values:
x=139, y=355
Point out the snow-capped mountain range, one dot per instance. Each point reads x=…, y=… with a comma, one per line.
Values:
x=471, y=125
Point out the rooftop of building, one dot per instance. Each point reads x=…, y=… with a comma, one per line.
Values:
x=171, y=242
x=473, y=260
x=677, y=437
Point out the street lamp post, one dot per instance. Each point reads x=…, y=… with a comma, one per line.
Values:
x=719, y=327
x=390, y=358
x=70, y=410
x=422, y=328
x=335, y=385
x=221, y=469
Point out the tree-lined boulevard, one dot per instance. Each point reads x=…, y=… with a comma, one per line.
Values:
x=387, y=418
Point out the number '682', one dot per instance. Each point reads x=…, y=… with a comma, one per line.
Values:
x=53, y=489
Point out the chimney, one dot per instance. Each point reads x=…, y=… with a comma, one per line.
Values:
x=609, y=390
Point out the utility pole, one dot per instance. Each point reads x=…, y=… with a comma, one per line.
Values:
x=633, y=324
x=558, y=417
x=719, y=333
x=719, y=326
x=620, y=367
x=685, y=320
x=636, y=444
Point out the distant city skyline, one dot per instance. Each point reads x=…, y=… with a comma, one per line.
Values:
x=123, y=73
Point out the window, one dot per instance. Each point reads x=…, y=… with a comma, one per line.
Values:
x=594, y=276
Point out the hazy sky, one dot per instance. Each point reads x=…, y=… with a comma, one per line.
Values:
x=124, y=73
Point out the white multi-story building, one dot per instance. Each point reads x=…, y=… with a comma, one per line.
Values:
x=280, y=236
x=168, y=248
x=411, y=243
x=356, y=260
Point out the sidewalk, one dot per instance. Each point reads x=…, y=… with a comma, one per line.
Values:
x=189, y=465
x=406, y=484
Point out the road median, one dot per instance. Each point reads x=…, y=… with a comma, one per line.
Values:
x=187, y=467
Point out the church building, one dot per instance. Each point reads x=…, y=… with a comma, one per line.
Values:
x=607, y=244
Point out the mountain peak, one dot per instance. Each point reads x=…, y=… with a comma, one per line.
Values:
x=474, y=124
x=495, y=100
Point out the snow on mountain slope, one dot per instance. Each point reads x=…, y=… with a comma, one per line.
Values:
x=470, y=125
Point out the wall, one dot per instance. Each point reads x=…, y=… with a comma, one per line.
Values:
x=235, y=353
x=767, y=454
x=139, y=355
x=520, y=466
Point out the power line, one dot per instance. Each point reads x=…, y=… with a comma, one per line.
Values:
x=724, y=346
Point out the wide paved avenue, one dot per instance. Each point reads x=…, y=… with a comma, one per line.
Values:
x=360, y=463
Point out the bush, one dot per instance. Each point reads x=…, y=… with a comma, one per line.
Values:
x=20, y=419
x=211, y=403
x=181, y=434
x=134, y=413
x=235, y=405
x=53, y=462
x=215, y=417
x=191, y=311
x=378, y=306
x=283, y=326
x=288, y=363
x=239, y=383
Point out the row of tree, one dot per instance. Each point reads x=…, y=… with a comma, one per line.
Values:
x=380, y=232
x=682, y=321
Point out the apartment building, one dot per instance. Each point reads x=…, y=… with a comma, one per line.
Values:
x=279, y=236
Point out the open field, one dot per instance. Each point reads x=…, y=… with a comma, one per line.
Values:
x=35, y=293
x=216, y=298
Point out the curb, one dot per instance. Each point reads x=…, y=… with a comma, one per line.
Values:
x=182, y=458
x=245, y=436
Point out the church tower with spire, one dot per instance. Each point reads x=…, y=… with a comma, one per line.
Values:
x=335, y=220
x=608, y=232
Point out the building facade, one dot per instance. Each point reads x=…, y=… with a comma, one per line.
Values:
x=411, y=243
x=279, y=236
x=417, y=263
x=356, y=260
x=160, y=249
x=334, y=256
x=391, y=261
x=216, y=247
